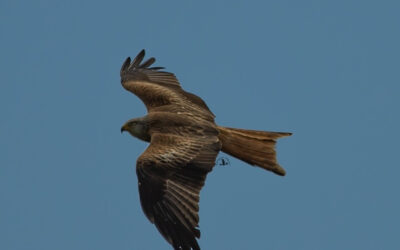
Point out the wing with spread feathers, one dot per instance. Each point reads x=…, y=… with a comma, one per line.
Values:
x=160, y=90
x=171, y=173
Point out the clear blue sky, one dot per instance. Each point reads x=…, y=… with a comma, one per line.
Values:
x=328, y=71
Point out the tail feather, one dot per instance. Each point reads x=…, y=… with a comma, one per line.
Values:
x=252, y=146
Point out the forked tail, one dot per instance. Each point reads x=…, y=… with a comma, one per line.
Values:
x=252, y=146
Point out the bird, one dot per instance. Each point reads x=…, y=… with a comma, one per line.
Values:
x=184, y=143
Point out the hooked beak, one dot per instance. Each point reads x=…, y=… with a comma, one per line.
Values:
x=123, y=128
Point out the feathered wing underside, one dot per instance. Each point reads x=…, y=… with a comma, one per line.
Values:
x=159, y=89
x=171, y=173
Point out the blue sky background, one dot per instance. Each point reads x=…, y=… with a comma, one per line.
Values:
x=328, y=71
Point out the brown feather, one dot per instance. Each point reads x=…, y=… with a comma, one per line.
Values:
x=158, y=89
x=184, y=143
x=252, y=146
x=172, y=171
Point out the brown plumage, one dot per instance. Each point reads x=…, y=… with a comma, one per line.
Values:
x=184, y=143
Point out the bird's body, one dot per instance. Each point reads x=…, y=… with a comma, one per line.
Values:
x=184, y=143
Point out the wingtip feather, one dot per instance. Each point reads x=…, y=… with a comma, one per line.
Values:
x=125, y=65
x=148, y=62
x=138, y=59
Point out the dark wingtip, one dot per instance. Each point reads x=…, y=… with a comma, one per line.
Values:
x=125, y=65
x=141, y=54
x=156, y=68
x=148, y=63
x=136, y=63
x=138, y=59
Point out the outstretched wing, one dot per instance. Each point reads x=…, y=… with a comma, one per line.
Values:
x=160, y=90
x=171, y=173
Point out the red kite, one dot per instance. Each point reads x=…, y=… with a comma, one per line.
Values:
x=184, y=143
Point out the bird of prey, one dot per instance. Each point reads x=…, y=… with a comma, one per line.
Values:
x=184, y=143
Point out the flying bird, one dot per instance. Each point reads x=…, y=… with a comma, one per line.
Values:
x=184, y=143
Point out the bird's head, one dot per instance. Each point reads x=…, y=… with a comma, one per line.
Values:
x=138, y=128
